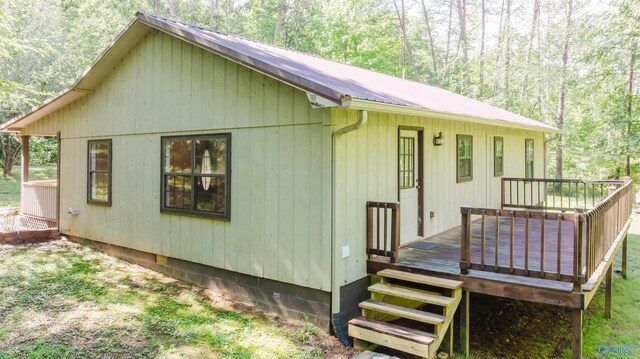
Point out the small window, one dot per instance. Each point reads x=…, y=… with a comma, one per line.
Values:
x=464, y=156
x=196, y=175
x=498, y=156
x=99, y=172
x=528, y=158
x=407, y=162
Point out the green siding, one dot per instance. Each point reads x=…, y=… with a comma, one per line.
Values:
x=366, y=170
x=164, y=86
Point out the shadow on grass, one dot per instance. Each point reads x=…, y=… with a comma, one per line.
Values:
x=84, y=304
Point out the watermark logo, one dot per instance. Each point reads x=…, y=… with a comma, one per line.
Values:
x=606, y=349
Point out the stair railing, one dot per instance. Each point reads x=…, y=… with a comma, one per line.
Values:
x=383, y=229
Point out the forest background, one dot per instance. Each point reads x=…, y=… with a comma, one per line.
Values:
x=569, y=63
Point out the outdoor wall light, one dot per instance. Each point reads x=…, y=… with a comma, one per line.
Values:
x=438, y=140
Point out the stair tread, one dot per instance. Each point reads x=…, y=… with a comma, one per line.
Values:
x=411, y=294
x=393, y=330
x=409, y=313
x=420, y=278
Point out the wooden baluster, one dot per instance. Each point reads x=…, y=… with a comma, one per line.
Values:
x=497, y=244
x=511, y=241
x=511, y=192
x=569, y=195
x=502, y=193
x=531, y=193
x=542, y=238
x=369, y=229
x=526, y=244
x=483, y=238
x=517, y=192
x=559, y=250
x=387, y=245
x=378, y=229
x=584, y=185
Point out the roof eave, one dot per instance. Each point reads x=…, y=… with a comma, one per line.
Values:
x=89, y=79
x=360, y=104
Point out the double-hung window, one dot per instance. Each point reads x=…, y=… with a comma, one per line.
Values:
x=528, y=157
x=196, y=175
x=464, y=158
x=498, y=156
x=99, y=172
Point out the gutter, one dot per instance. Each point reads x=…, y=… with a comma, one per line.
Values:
x=335, y=286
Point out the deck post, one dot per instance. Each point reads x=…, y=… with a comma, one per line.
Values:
x=624, y=257
x=464, y=323
x=577, y=317
x=608, y=290
x=24, y=140
x=465, y=245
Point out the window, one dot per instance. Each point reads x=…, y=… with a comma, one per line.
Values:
x=407, y=162
x=498, y=156
x=196, y=175
x=99, y=172
x=464, y=158
x=528, y=158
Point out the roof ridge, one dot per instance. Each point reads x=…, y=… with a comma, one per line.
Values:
x=291, y=50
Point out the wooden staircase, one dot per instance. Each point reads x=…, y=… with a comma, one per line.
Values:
x=400, y=315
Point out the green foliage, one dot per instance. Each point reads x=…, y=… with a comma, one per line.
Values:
x=45, y=45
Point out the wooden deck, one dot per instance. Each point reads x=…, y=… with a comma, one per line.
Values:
x=447, y=246
x=536, y=252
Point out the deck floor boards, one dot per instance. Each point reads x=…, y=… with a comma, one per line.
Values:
x=445, y=256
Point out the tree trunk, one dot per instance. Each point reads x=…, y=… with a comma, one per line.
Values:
x=431, y=44
x=462, y=19
x=482, y=35
x=281, y=14
x=449, y=34
x=632, y=64
x=10, y=148
x=403, y=28
x=536, y=16
x=563, y=90
x=507, y=62
x=497, y=70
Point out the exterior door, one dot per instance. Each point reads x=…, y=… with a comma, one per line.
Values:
x=409, y=183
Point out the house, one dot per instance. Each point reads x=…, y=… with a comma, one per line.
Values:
x=288, y=179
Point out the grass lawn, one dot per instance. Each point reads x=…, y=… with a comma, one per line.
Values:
x=63, y=300
x=10, y=186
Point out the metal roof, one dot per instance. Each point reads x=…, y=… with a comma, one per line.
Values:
x=338, y=82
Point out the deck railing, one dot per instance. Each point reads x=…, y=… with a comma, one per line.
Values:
x=554, y=194
x=38, y=199
x=601, y=226
x=545, y=240
x=383, y=229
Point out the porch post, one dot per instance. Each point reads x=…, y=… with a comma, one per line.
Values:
x=577, y=317
x=624, y=256
x=25, y=158
x=464, y=323
x=608, y=292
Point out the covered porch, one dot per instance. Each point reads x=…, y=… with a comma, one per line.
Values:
x=552, y=242
x=39, y=199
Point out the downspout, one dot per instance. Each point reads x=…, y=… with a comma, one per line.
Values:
x=335, y=286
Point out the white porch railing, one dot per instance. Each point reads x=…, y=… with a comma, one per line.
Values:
x=38, y=199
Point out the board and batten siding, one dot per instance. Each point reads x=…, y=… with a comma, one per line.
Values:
x=280, y=217
x=367, y=165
